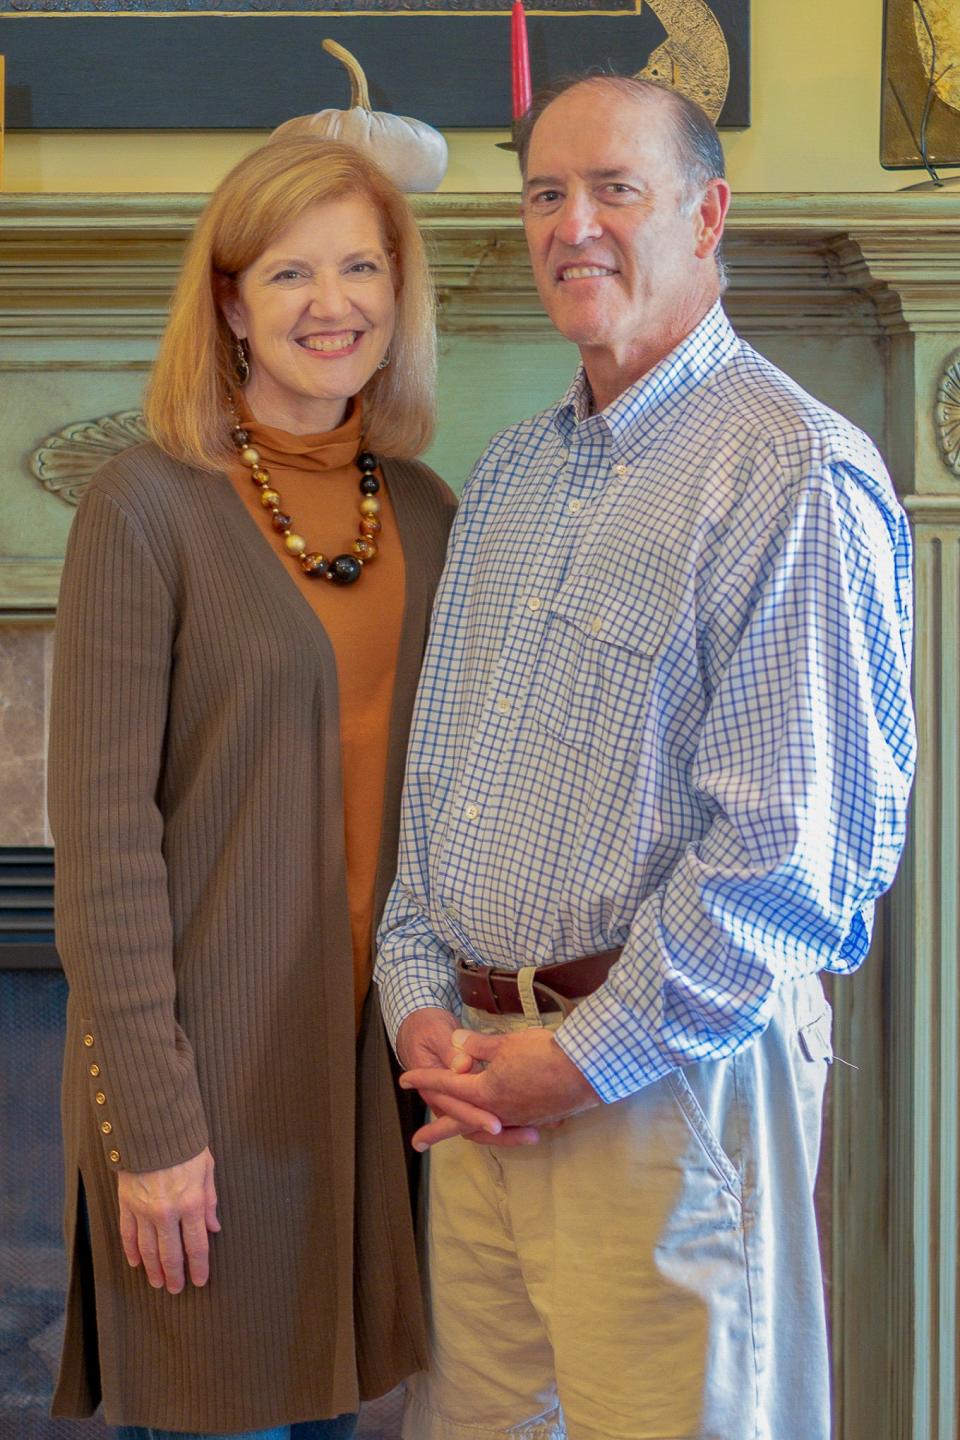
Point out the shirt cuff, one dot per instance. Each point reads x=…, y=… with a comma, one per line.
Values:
x=400, y=998
x=602, y=1039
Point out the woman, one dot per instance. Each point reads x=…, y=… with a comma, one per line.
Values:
x=232, y=696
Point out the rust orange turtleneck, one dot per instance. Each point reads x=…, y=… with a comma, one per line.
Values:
x=318, y=481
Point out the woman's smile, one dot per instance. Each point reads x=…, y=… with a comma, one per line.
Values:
x=324, y=291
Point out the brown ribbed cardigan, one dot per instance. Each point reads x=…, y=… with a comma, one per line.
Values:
x=202, y=920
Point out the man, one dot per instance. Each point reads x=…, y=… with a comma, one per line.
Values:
x=658, y=776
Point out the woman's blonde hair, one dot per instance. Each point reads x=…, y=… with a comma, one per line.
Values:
x=187, y=398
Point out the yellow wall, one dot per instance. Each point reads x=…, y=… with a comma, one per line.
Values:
x=816, y=105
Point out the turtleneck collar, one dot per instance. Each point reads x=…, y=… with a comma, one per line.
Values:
x=330, y=450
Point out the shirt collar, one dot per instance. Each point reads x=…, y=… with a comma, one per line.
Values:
x=701, y=353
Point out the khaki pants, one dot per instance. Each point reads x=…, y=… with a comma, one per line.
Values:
x=649, y=1271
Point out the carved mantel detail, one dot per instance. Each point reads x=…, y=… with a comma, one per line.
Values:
x=64, y=462
x=947, y=413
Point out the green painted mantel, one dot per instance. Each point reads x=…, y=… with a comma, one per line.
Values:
x=858, y=296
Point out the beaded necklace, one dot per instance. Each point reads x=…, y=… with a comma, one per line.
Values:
x=342, y=569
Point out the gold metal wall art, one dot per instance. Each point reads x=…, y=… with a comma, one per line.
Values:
x=694, y=58
x=920, y=105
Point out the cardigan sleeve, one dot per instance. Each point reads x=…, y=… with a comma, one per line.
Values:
x=112, y=668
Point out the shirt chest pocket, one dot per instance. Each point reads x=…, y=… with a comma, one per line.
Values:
x=592, y=688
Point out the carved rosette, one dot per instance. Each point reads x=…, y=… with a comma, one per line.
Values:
x=64, y=462
x=947, y=413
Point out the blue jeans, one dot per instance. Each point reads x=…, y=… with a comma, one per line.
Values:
x=342, y=1428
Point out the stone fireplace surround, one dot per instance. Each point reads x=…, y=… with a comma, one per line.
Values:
x=857, y=296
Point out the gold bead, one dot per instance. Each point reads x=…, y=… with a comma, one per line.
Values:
x=370, y=525
x=259, y=475
x=249, y=456
x=364, y=549
x=269, y=498
x=313, y=562
x=369, y=506
x=294, y=544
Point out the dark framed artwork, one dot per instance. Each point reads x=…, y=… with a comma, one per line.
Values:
x=920, y=106
x=225, y=64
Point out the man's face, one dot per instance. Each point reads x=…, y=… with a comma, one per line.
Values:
x=622, y=265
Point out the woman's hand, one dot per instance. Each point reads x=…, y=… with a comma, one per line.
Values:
x=166, y=1213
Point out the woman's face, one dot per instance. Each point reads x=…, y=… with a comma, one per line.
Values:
x=317, y=310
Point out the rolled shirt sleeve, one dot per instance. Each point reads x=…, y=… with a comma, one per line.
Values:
x=805, y=762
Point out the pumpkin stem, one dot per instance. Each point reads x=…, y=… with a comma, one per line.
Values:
x=359, y=94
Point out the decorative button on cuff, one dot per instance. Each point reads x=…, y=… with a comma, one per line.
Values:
x=94, y=1071
x=88, y=1040
x=115, y=1156
x=100, y=1098
x=106, y=1128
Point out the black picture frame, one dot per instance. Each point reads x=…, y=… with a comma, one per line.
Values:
x=76, y=67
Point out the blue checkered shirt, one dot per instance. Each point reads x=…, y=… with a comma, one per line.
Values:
x=665, y=705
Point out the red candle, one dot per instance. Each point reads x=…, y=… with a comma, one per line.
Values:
x=519, y=61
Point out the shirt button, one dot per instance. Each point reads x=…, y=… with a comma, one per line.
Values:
x=533, y=603
x=106, y=1128
x=596, y=625
x=100, y=1098
x=503, y=705
x=88, y=1041
x=115, y=1156
x=94, y=1071
x=575, y=507
x=472, y=812
x=451, y=912
x=620, y=471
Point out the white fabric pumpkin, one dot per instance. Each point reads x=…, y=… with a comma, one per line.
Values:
x=412, y=153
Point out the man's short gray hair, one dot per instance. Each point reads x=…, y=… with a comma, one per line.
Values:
x=697, y=146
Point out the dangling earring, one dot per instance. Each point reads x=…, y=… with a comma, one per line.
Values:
x=382, y=364
x=241, y=362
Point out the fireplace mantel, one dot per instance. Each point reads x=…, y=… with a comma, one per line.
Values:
x=859, y=296
x=100, y=267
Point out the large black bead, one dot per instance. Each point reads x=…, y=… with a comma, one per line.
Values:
x=345, y=569
x=366, y=461
x=369, y=484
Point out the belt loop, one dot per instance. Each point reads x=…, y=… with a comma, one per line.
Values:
x=528, y=999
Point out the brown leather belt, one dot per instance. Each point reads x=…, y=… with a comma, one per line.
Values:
x=557, y=987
